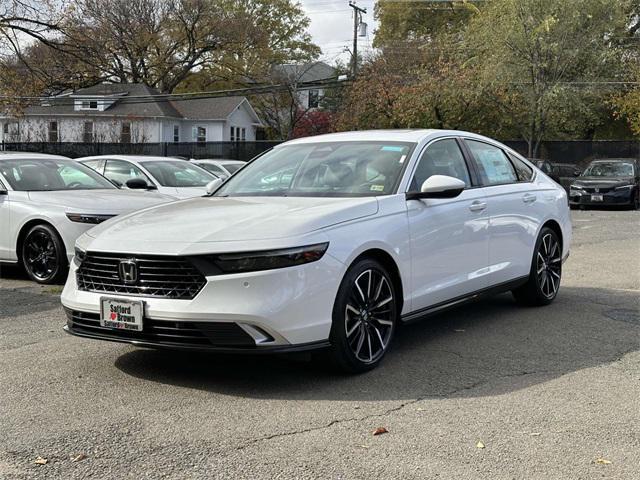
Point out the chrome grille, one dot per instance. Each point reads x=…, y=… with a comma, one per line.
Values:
x=158, y=276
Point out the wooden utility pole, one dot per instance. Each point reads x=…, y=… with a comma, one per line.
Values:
x=357, y=18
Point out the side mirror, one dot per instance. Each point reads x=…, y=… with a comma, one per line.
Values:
x=139, y=184
x=213, y=185
x=438, y=186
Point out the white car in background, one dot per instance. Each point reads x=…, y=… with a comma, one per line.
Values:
x=326, y=242
x=171, y=176
x=47, y=202
x=220, y=167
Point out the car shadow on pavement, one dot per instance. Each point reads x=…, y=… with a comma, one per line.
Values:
x=486, y=348
x=20, y=296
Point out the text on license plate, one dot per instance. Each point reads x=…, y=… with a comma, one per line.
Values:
x=596, y=198
x=121, y=314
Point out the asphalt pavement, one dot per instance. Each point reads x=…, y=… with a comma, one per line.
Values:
x=490, y=390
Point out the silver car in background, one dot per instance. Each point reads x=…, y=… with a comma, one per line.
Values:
x=48, y=201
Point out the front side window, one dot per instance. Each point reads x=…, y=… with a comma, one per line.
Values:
x=87, y=132
x=493, y=165
x=441, y=158
x=120, y=172
x=51, y=174
x=331, y=169
x=95, y=164
x=53, y=131
x=178, y=173
x=215, y=169
x=125, y=132
x=609, y=169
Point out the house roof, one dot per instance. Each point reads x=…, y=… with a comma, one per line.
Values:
x=306, y=72
x=127, y=105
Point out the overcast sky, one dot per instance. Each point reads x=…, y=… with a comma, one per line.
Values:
x=332, y=27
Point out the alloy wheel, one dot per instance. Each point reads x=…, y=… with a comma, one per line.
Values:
x=369, y=315
x=549, y=266
x=40, y=256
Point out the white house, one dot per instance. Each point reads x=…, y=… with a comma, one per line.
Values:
x=309, y=97
x=125, y=113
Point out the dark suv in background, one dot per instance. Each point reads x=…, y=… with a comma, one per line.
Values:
x=612, y=181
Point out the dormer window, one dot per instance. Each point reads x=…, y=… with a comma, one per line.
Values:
x=89, y=105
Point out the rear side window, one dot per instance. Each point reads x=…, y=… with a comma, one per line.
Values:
x=524, y=171
x=493, y=165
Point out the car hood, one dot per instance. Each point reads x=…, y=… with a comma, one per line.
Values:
x=108, y=202
x=602, y=181
x=186, y=192
x=230, y=219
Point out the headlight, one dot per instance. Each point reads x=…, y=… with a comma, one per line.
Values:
x=267, y=259
x=88, y=218
x=576, y=187
x=79, y=256
x=625, y=187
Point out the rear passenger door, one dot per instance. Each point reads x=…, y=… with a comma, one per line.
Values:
x=514, y=207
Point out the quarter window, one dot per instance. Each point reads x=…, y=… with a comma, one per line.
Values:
x=441, y=158
x=493, y=165
x=524, y=171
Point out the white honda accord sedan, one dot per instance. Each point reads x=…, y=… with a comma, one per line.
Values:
x=48, y=201
x=327, y=242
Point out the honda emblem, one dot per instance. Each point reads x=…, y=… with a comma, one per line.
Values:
x=128, y=271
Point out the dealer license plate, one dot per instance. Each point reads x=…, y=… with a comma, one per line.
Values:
x=596, y=198
x=121, y=314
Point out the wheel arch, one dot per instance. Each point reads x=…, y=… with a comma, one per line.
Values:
x=22, y=233
x=557, y=229
x=390, y=264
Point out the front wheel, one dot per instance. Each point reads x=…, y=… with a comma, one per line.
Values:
x=546, y=271
x=364, y=317
x=43, y=255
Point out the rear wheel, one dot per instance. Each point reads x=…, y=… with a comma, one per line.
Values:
x=546, y=271
x=364, y=317
x=43, y=255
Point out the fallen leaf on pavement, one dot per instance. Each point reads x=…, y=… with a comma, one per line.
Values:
x=79, y=457
x=380, y=431
x=603, y=461
x=364, y=446
x=420, y=409
x=535, y=434
x=480, y=445
x=40, y=461
x=458, y=330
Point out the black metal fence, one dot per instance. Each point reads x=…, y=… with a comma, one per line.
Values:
x=232, y=150
x=580, y=152
x=576, y=152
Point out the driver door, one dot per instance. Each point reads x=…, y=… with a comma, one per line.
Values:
x=449, y=237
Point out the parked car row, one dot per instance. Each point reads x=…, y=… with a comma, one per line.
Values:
x=48, y=201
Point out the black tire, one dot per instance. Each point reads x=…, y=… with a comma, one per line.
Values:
x=545, y=274
x=43, y=255
x=365, y=317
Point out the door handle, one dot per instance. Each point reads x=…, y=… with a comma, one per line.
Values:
x=477, y=206
x=529, y=198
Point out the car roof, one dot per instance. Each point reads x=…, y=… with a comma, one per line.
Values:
x=218, y=160
x=131, y=158
x=609, y=160
x=407, y=135
x=30, y=156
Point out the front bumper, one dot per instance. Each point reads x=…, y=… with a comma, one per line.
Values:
x=287, y=309
x=614, y=197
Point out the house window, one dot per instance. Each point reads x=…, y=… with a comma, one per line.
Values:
x=125, y=132
x=53, y=131
x=314, y=98
x=176, y=133
x=89, y=105
x=201, y=135
x=238, y=134
x=243, y=137
x=87, y=136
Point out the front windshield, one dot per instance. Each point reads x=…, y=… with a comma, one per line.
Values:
x=178, y=173
x=335, y=169
x=609, y=169
x=38, y=175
